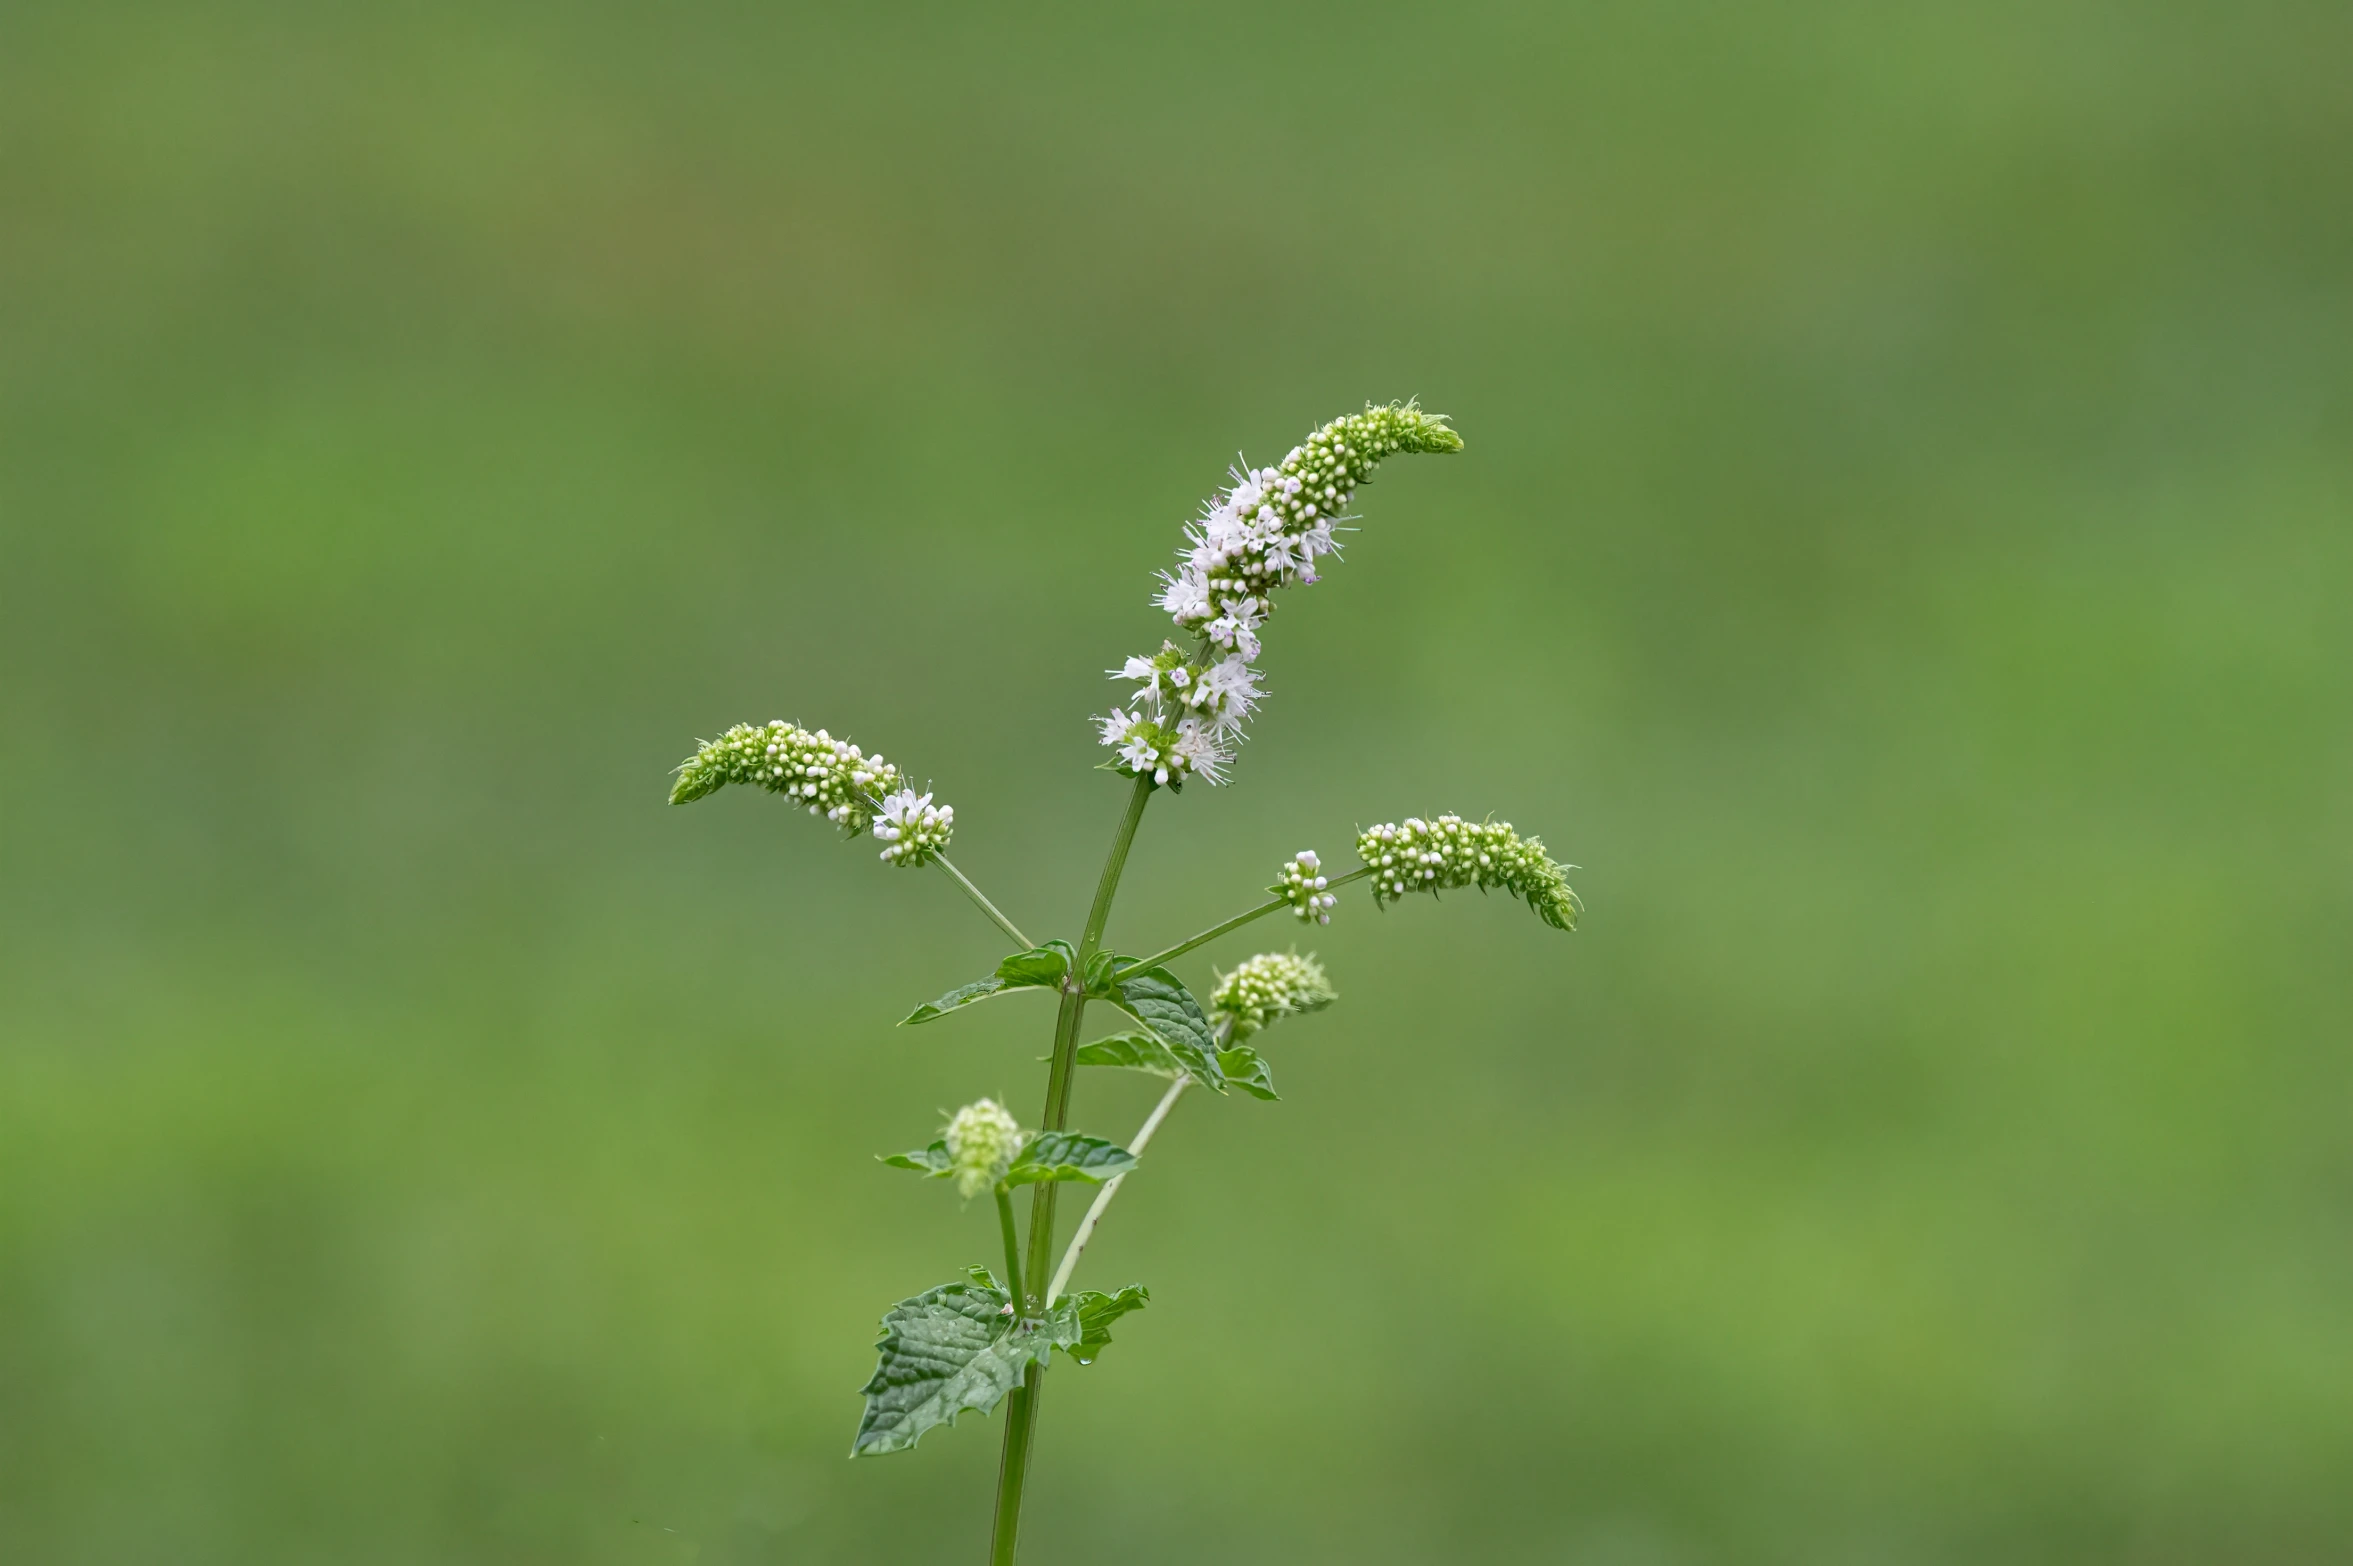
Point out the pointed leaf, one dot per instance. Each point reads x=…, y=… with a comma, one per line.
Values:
x=1135, y=1051
x=1065, y=1155
x=1096, y=1312
x=932, y=1160
x=950, y=1349
x=1159, y=1000
x=1041, y=967
x=1246, y=1069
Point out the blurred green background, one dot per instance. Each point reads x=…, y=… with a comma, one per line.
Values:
x=1902, y=554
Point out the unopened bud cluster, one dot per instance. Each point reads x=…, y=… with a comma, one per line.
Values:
x=982, y=1139
x=1265, y=531
x=832, y=778
x=1433, y=856
x=1302, y=884
x=912, y=828
x=1268, y=986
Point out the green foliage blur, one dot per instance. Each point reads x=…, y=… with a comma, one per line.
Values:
x=1902, y=554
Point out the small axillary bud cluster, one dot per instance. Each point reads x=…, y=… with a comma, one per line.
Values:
x=1265, y=531
x=1433, y=856
x=1302, y=884
x=831, y=777
x=982, y=1139
x=1268, y=986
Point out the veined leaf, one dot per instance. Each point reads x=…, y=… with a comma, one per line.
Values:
x=1135, y=1051
x=932, y=1160
x=950, y=1349
x=1159, y=1000
x=1100, y=971
x=1041, y=967
x=1246, y=1069
x=1065, y=1155
x=1096, y=1312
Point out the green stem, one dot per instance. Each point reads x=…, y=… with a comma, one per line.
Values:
x=1020, y=940
x=1021, y=1406
x=1227, y=928
x=1012, y=1242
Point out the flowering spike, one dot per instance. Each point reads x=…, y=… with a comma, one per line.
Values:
x=1432, y=856
x=831, y=777
x=1302, y=884
x=982, y=1139
x=1264, y=531
x=1270, y=986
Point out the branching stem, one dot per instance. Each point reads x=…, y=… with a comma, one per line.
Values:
x=1086, y=1225
x=1021, y=942
x=1227, y=928
x=1021, y=1406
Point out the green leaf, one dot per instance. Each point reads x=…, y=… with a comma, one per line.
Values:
x=1159, y=1000
x=950, y=1349
x=1065, y=1155
x=1135, y=1051
x=1041, y=967
x=932, y=1160
x=1096, y=1312
x=1100, y=971
x=1246, y=1069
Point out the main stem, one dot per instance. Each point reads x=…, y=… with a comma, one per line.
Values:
x=1021, y=1406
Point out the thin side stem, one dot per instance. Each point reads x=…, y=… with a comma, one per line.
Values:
x=1012, y=1242
x=1086, y=1225
x=1020, y=940
x=1021, y=1406
x=1231, y=925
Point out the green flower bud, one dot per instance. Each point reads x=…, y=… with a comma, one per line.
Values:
x=982, y=1139
x=1269, y=986
x=1433, y=856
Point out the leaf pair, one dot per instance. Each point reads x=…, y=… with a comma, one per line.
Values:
x=1050, y=1155
x=964, y=1346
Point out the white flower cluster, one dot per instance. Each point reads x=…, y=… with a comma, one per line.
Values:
x=832, y=777
x=1265, y=531
x=1302, y=884
x=1432, y=856
x=1268, y=986
x=914, y=827
x=982, y=1139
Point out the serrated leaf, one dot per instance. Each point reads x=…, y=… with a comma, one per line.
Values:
x=1041, y=967
x=1135, y=1052
x=955, y=1348
x=1246, y=1069
x=1096, y=1311
x=1066, y=1155
x=932, y=1160
x=1159, y=1000
x=946, y=1350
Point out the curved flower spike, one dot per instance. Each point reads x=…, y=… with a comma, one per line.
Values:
x=1265, y=531
x=833, y=778
x=1270, y=986
x=1432, y=856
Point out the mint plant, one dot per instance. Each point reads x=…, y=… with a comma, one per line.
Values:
x=985, y=1340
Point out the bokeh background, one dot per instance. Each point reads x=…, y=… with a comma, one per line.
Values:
x=1902, y=555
